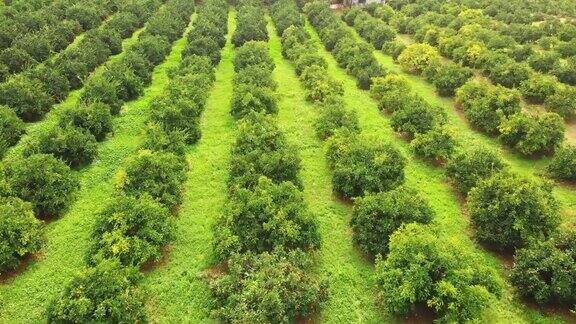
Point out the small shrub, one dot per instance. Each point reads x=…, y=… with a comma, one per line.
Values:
x=132, y=230
x=546, y=271
x=563, y=102
x=261, y=149
x=128, y=85
x=321, y=87
x=438, y=144
x=153, y=48
x=26, y=97
x=532, y=135
x=416, y=57
x=253, y=53
x=246, y=99
x=382, y=86
x=438, y=273
x=485, y=106
x=273, y=287
x=376, y=216
x=539, y=87
x=508, y=211
x=44, y=181
x=264, y=218
x=255, y=76
x=137, y=63
x=157, y=139
x=510, y=74
x=363, y=165
x=467, y=168
x=93, y=117
x=418, y=117
x=101, y=89
x=335, y=116
x=55, y=84
x=16, y=59
x=177, y=114
x=75, y=146
x=155, y=173
x=563, y=164
x=450, y=77
x=11, y=128
x=104, y=293
x=20, y=232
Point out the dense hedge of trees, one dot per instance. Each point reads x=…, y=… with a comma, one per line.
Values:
x=251, y=25
x=32, y=38
x=476, y=40
x=266, y=230
x=32, y=95
x=134, y=227
x=356, y=57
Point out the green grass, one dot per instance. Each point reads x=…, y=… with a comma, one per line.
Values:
x=432, y=183
x=24, y=299
x=470, y=138
x=177, y=289
x=351, y=285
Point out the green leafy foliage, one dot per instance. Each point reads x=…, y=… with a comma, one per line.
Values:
x=104, y=293
x=274, y=287
x=132, y=230
x=363, y=165
x=563, y=164
x=546, y=271
x=11, y=128
x=441, y=274
x=468, y=167
x=532, y=135
x=438, y=144
x=94, y=118
x=264, y=218
x=261, y=149
x=509, y=211
x=26, y=97
x=20, y=232
x=417, y=57
x=73, y=145
x=376, y=216
x=486, y=105
x=157, y=174
x=43, y=180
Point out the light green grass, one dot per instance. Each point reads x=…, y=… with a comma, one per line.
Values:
x=351, y=283
x=178, y=290
x=24, y=299
x=432, y=183
x=470, y=138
